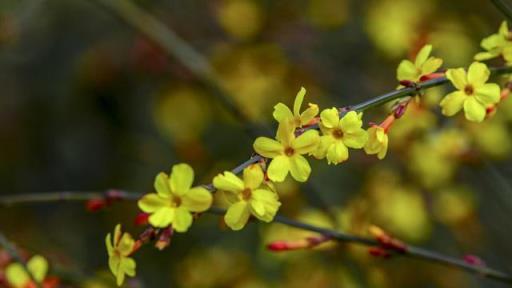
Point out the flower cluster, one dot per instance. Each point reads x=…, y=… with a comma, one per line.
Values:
x=326, y=134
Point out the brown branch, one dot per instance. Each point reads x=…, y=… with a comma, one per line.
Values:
x=405, y=251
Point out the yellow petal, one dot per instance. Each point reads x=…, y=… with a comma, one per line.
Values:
x=492, y=42
x=407, y=71
x=128, y=266
x=309, y=114
x=457, y=77
x=113, y=264
x=162, y=217
x=306, y=143
x=126, y=244
x=152, y=202
x=253, y=176
x=299, y=168
x=197, y=199
x=182, y=176
x=453, y=102
x=278, y=168
x=384, y=148
x=282, y=113
x=38, y=267
x=117, y=234
x=330, y=117
x=507, y=54
x=355, y=139
x=285, y=132
x=321, y=150
x=162, y=184
x=120, y=278
x=182, y=220
x=228, y=182
x=237, y=215
x=473, y=110
x=351, y=122
x=503, y=30
x=267, y=147
x=257, y=208
x=337, y=153
x=431, y=65
x=16, y=276
x=482, y=56
x=478, y=74
x=488, y=94
x=298, y=101
x=269, y=200
x=422, y=55
x=108, y=243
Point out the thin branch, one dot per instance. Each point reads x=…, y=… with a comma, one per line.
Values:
x=504, y=8
x=11, y=249
x=409, y=251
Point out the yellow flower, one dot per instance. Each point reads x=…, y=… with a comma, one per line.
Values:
x=282, y=112
x=17, y=276
x=474, y=94
x=175, y=199
x=118, y=250
x=246, y=197
x=423, y=65
x=287, y=151
x=338, y=134
x=496, y=45
x=377, y=142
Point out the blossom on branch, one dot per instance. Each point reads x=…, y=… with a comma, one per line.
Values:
x=175, y=200
x=338, y=134
x=282, y=112
x=498, y=44
x=423, y=65
x=118, y=250
x=286, y=152
x=246, y=197
x=474, y=95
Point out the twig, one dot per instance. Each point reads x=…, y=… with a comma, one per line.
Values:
x=408, y=251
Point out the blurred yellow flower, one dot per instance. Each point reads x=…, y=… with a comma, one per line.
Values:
x=338, y=134
x=242, y=19
x=474, y=94
x=497, y=44
x=175, y=199
x=246, y=197
x=118, y=250
x=287, y=151
x=423, y=65
x=377, y=142
x=17, y=276
x=282, y=112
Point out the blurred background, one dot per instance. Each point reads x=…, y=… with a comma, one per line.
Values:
x=87, y=102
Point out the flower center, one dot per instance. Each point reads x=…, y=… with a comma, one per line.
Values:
x=289, y=151
x=469, y=90
x=176, y=202
x=337, y=133
x=246, y=194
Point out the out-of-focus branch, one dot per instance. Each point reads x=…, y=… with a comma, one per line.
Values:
x=176, y=47
x=405, y=250
x=504, y=8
